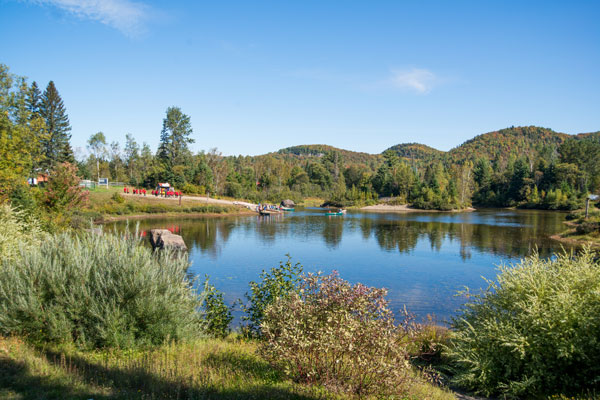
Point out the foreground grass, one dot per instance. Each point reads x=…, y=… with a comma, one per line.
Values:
x=207, y=369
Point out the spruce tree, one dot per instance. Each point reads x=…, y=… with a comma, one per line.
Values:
x=52, y=109
x=37, y=126
x=34, y=100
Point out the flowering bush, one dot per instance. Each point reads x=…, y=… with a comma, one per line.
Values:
x=337, y=334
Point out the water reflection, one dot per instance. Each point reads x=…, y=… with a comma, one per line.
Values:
x=511, y=234
x=423, y=259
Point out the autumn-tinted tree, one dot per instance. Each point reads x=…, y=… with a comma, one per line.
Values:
x=63, y=192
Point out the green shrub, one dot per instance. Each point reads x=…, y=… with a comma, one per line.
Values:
x=233, y=189
x=117, y=198
x=279, y=282
x=189, y=188
x=216, y=313
x=338, y=335
x=534, y=332
x=587, y=227
x=97, y=290
x=19, y=231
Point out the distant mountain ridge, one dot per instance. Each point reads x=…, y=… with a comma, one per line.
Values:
x=318, y=150
x=500, y=144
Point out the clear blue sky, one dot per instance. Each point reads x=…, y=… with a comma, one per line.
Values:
x=257, y=76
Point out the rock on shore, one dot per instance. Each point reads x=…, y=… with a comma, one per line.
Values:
x=164, y=239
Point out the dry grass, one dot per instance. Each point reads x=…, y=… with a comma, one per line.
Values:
x=208, y=369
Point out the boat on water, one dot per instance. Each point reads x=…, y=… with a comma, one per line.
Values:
x=270, y=212
x=282, y=208
x=338, y=212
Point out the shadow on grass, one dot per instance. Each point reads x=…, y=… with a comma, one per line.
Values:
x=18, y=382
x=134, y=382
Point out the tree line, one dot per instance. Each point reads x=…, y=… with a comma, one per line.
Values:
x=523, y=167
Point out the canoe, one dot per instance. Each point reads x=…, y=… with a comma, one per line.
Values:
x=270, y=212
x=286, y=208
x=341, y=212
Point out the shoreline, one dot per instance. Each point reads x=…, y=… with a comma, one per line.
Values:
x=563, y=237
x=572, y=241
x=195, y=215
x=405, y=208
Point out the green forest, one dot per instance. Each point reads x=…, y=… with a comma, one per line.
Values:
x=527, y=167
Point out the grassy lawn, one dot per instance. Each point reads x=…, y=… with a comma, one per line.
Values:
x=207, y=369
x=110, y=202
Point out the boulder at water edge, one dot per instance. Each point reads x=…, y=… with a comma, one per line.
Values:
x=288, y=203
x=164, y=239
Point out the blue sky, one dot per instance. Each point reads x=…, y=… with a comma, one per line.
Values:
x=259, y=76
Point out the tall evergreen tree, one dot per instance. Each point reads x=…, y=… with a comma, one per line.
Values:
x=52, y=109
x=37, y=125
x=34, y=100
x=175, y=137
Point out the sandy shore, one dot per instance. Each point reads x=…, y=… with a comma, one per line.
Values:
x=405, y=208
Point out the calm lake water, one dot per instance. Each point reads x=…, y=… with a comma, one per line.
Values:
x=422, y=258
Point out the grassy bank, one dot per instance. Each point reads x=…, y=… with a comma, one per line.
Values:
x=205, y=369
x=110, y=204
x=582, y=231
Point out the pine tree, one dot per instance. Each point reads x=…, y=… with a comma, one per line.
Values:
x=52, y=109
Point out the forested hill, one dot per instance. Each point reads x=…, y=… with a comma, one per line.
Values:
x=501, y=145
x=589, y=136
x=528, y=141
x=318, y=150
x=416, y=152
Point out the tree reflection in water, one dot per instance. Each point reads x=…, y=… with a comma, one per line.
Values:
x=423, y=258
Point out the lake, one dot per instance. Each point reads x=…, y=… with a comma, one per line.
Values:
x=422, y=258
